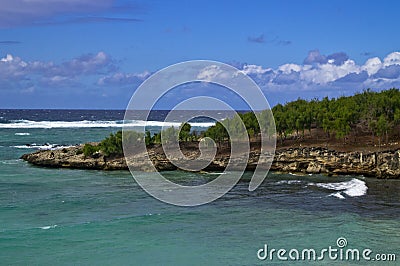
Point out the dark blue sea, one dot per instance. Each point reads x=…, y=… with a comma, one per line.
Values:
x=88, y=217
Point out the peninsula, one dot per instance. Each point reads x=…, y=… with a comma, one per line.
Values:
x=349, y=135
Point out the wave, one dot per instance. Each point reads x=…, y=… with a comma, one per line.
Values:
x=289, y=182
x=48, y=227
x=22, y=134
x=46, y=146
x=15, y=161
x=353, y=188
x=94, y=124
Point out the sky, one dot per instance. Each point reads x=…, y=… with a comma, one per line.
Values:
x=93, y=54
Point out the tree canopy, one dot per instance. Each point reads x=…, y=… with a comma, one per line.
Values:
x=376, y=112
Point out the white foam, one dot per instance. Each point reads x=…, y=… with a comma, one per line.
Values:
x=337, y=195
x=92, y=124
x=22, y=134
x=46, y=146
x=290, y=182
x=215, y=173
x=48, y=227
x=353, y=188
x=16, y=161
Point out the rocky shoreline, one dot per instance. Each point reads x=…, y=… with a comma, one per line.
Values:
x=312, y=160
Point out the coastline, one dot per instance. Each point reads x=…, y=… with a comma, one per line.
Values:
x=306, y=160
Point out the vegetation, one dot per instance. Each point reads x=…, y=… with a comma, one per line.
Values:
x=112, y=145
x=89, y=149
x=377, y=113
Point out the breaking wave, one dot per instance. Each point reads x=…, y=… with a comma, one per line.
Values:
x=22, y=134
x=46, y=146
x=352, y=188
x=94, y=124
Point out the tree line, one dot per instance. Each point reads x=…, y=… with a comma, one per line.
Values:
x=367, y=112
x=375, y=112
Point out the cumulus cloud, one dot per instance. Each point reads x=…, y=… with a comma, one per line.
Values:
x=372, y=65
x=313, y=57
x=17, y=71
x=212, y=73
x=318, y=75
x=392, y=59
x=286, y=78
x=389, y=72
x=254, y=69
x=338, y=58
x=123, y=79
x=354, y=77
x=335, y=71
x=87, y=64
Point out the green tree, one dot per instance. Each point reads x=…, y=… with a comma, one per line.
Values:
x=148, y=139
x=251, y=123
x=218, y=133
x=112, y=145
x=382, y=127
x=89, y=149
x=397, y=117
x=184, y=132
x=169, y=135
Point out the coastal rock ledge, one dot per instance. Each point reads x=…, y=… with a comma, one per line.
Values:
x=313, y=160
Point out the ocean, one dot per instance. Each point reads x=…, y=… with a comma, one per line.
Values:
x=88, y=217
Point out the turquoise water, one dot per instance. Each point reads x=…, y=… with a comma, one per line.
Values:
x=68, y=217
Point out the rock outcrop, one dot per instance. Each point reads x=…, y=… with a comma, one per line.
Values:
x=384, y=164
x=306, y=160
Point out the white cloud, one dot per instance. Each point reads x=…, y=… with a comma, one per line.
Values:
x=86, y=64
x=315, y=57
x=212, y=73
x=254, y=69
x=392, y=59
x=328, y=72
x=288, y=68
x=99, y=71
x=14, y=69
x=123, y=79
x=8, y=58
x=372, y=65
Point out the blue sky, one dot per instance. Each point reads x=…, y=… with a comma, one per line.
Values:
x=94, y=53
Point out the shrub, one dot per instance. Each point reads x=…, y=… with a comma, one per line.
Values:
x=89, y=149
x=112, y=145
